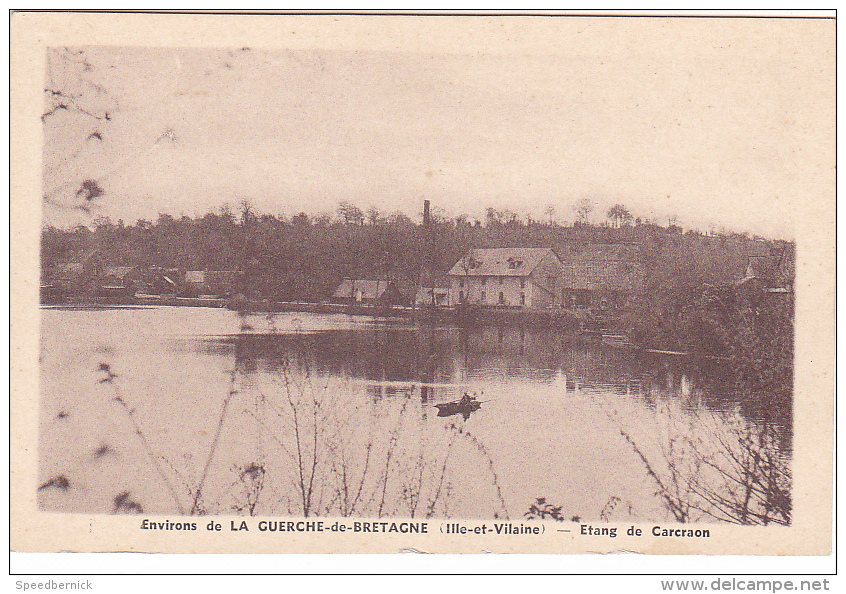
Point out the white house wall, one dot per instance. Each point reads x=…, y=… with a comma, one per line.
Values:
x=473, y=288
x=539, y=290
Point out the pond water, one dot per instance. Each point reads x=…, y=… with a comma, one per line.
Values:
x=195, y=410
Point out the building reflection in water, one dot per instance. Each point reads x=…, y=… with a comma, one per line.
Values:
x=438, y=363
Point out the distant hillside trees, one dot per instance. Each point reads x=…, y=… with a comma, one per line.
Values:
x=583, y=209
x=306, y=257
x=619, y=215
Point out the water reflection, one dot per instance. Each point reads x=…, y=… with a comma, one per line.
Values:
x=463, y=407
x=437, y=364
x=433, y=363
x=552, y=410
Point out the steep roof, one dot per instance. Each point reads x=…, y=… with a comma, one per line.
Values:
x=602, y=267
x=598, y=274
x=765, y=267
x=74, y=266
x=118, y=271
x=500, y=262
x=197, y=277
x=67, y=271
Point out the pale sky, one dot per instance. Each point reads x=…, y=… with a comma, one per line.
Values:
x=719, y=124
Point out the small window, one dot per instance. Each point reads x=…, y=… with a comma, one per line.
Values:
x=522, y=299
x=500, y=280
x=483, y=296
x=522, y=282
x=461, y=282
x=461, y=296
x=484, y=281
x=501, y=298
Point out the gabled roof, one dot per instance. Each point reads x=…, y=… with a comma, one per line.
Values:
x=88, y=254
x=74, y=266
x=602, y=267
x=606, y=251
x=197, y=277
x=369, y=289
x=67, y=271
x=118, y=271
x=500, y=262
x=598, y=275
x=764, y=267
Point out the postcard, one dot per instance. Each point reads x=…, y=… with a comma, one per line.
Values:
x=359, y=283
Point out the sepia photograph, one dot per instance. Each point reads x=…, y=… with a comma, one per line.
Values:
x=528, y=276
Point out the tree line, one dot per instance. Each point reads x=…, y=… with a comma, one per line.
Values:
x=305, y=257
x=688, y=302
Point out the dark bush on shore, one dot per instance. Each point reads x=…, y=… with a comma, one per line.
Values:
x=693, y=302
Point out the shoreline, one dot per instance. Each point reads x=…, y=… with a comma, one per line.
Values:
x=565, y=320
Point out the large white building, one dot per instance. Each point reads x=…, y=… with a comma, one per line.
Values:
x=516, y=277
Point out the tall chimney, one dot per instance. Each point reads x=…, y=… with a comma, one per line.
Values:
x=426, y=268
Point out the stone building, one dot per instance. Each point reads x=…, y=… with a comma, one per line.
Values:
x=507, y=277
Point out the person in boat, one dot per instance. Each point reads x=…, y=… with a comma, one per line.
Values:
x=466, y=400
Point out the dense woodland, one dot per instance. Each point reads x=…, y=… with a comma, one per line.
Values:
x=305, y=257
x=684, y=304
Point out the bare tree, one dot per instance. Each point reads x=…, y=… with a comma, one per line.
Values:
x=76, y=98
x=248, y=213
x=82, y=102
x=373, y=215
x=583, y=209
x=720, y=466
x=468, y=263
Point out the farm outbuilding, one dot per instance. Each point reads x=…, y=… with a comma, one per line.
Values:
x=600, y=275
x=383, y=292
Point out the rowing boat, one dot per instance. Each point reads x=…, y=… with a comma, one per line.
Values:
x=457, y=407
